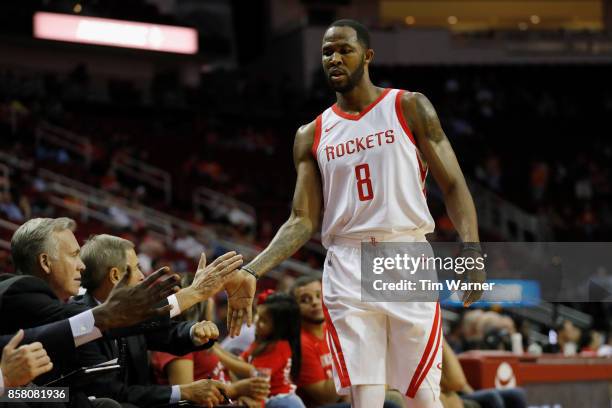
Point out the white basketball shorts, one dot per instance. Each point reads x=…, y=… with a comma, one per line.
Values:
x=393, y=343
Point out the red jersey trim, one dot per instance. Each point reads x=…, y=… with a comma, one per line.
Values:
x=433, y=356
x=402, y=120
x=317, y=136
x=423, y=170
x=400, y=115
x=361, y=114
x=338, y=358
x=427, y=358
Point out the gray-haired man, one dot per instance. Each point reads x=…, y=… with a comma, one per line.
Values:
x=47, y=255
x=107, y=259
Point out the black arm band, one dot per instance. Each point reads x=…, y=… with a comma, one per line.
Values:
x=471, y=246
x=246, y=269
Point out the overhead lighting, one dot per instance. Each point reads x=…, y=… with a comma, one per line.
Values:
x=535, y=19
x=523, y=26
x=117, y=33
x=77, y=8
x=452, y=20
x=410, y=20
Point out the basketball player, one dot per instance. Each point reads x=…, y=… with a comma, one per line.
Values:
x=363, y=161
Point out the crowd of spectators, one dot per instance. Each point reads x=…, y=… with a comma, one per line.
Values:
x=525, y=136
x=493, y=330
x=284, y=359
x=514, y=130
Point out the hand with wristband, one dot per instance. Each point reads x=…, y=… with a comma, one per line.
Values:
x=472, y=274
x=240, y=293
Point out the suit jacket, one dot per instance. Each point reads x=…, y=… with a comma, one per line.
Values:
x=58, y=341
x=133, y=383
x=27, y=301
x=56, y=338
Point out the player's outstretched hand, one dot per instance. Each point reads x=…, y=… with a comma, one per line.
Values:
x=240, y=293
x=473, y=275
x=20, y=365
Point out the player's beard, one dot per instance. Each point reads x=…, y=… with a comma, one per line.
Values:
x=352, y=79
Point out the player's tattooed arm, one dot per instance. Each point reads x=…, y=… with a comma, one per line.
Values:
x=305, y=210
x=438, y=153
x=297, y=230
x=440, y=157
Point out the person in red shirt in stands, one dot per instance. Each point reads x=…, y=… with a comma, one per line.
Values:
x=315, y=382
x=276, y=351
x=170, y=369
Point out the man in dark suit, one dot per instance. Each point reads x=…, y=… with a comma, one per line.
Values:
x=46, y=256
x=38, y=297
x=21, y=364
x=46, y=252
x=106, y=258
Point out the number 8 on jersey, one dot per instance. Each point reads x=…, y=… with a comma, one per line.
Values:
x=364, y=183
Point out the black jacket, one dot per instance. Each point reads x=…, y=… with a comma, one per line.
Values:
x=58, y=341
x=55, y=338
x=133, y=383
x=27, y=301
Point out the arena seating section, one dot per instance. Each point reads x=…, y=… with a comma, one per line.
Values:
x=516, y=130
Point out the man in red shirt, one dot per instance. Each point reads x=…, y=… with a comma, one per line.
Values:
x=315, y=383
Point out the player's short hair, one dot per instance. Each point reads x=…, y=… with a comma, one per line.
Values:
x=101, y=253
x=35, y=237
x=363, y=35
x=303, y=281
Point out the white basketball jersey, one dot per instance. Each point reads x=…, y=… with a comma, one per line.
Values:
x=373, y=176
